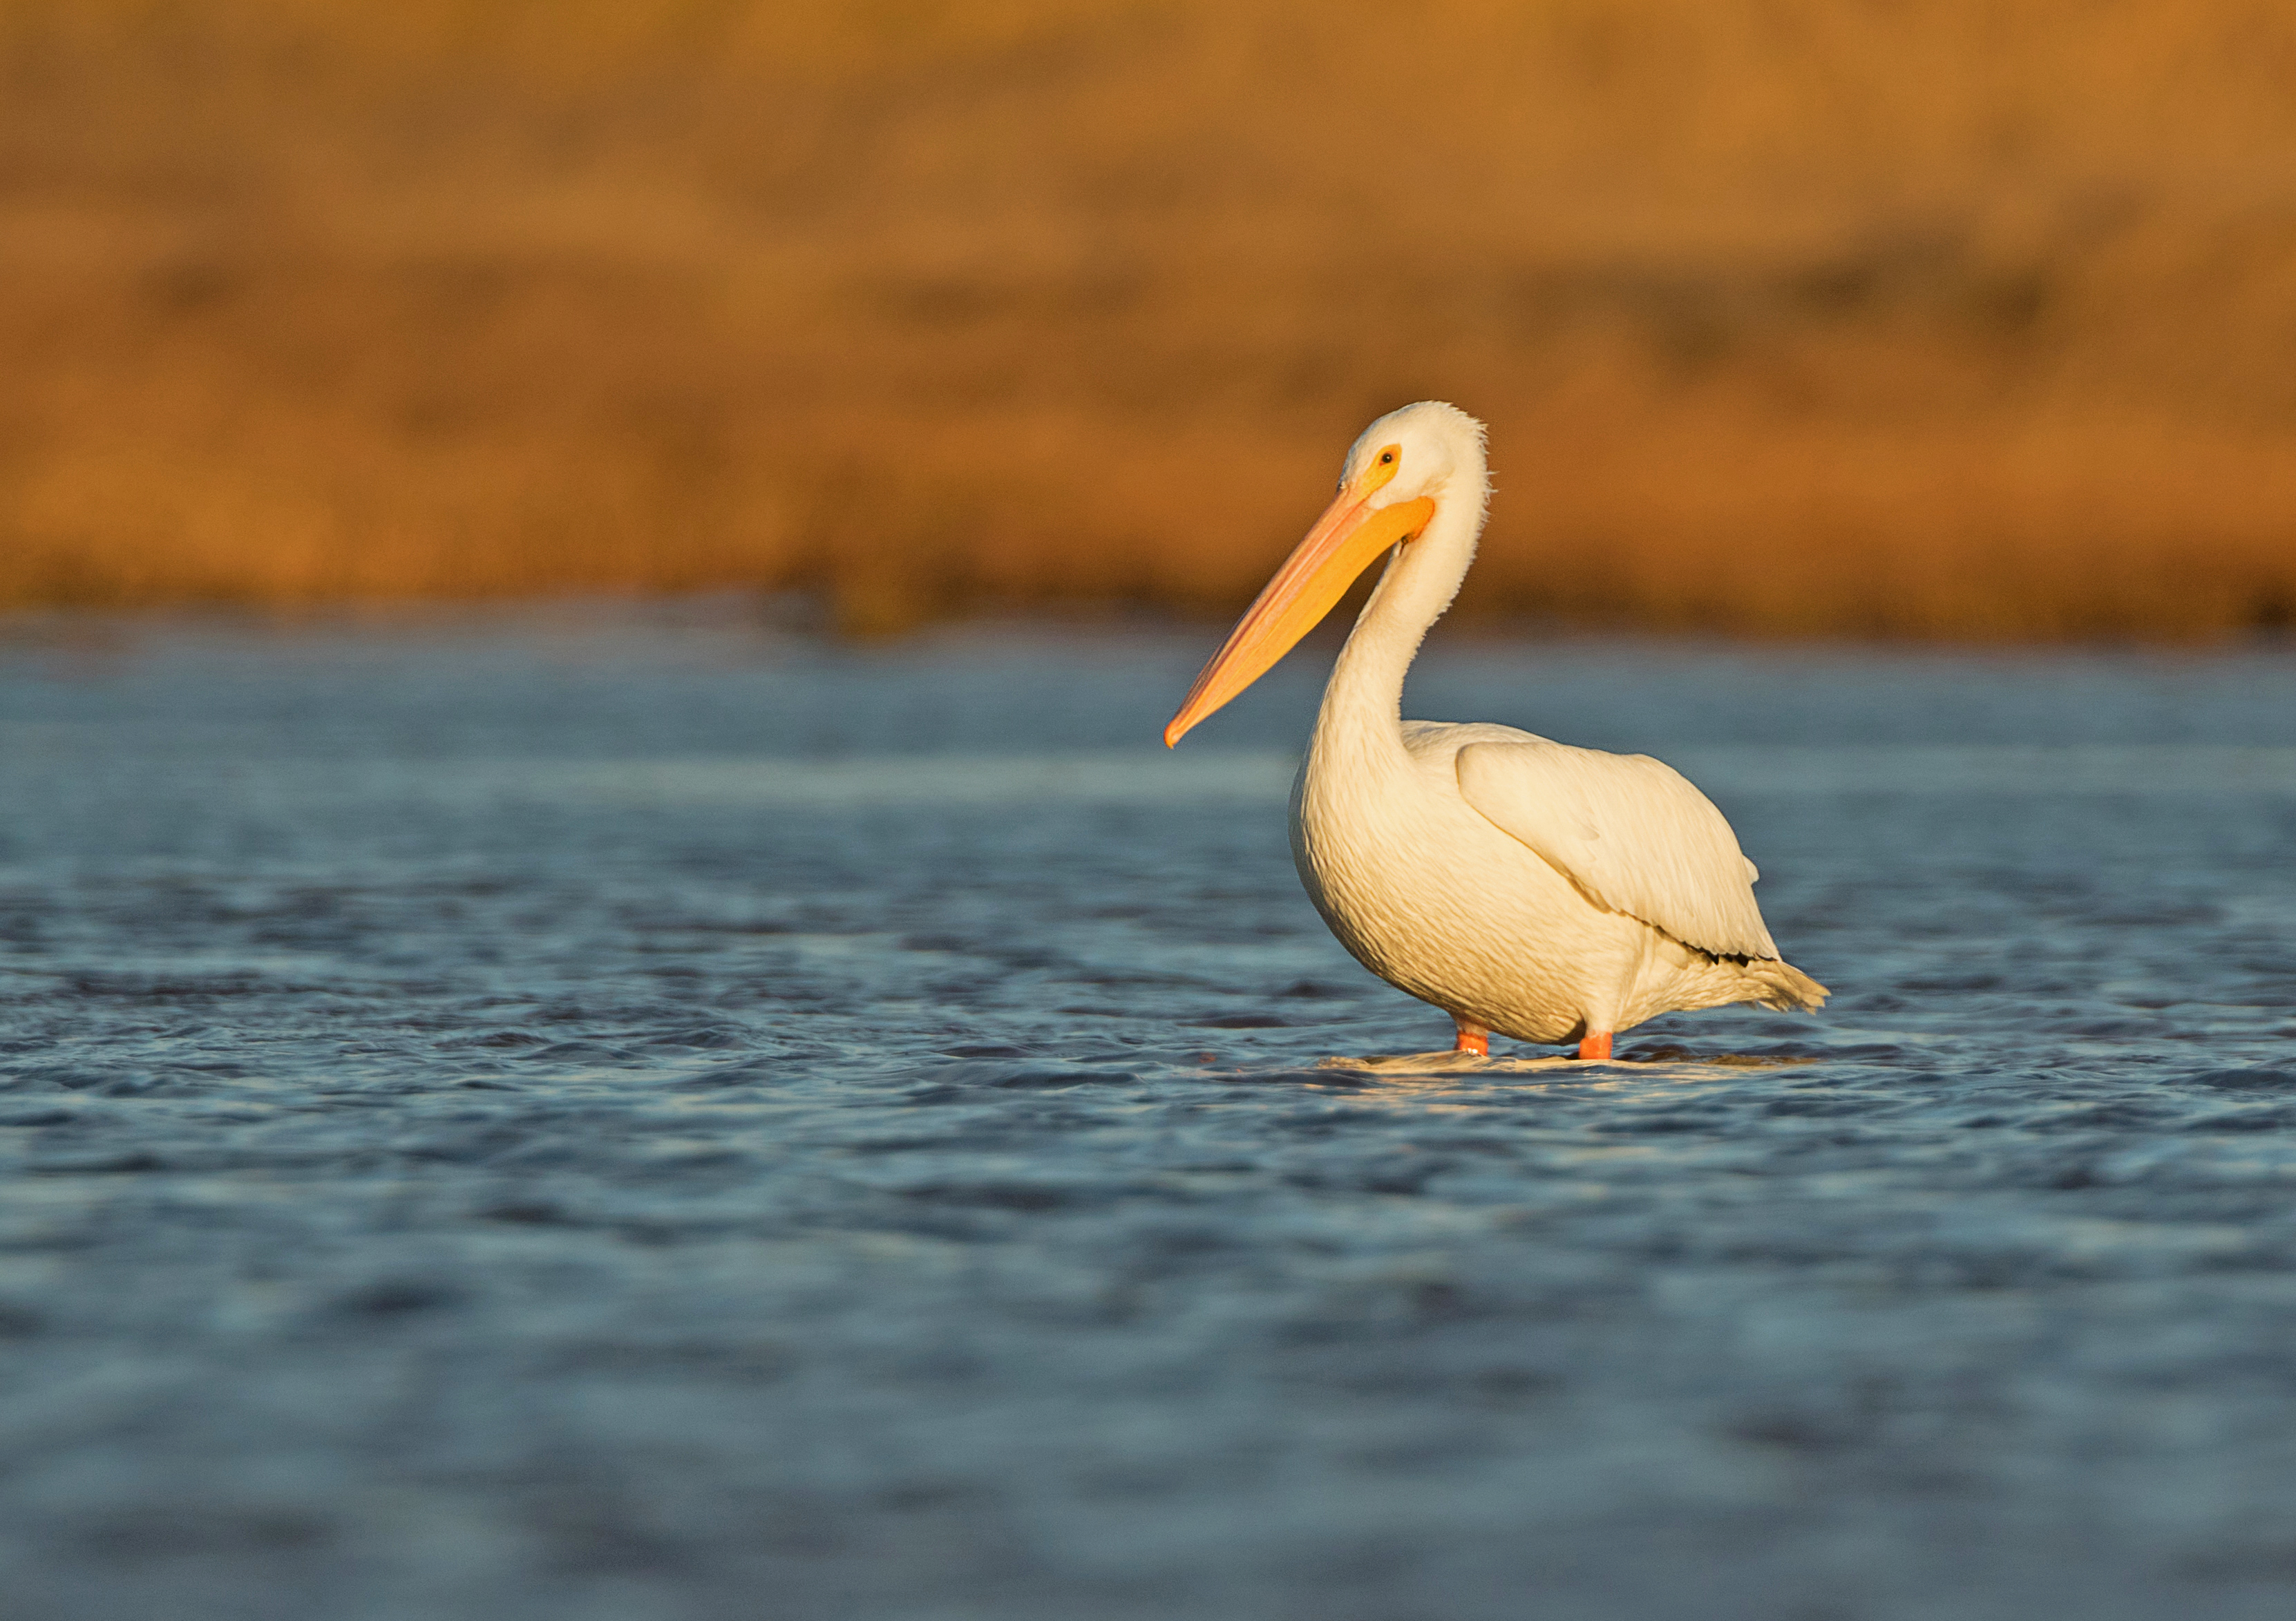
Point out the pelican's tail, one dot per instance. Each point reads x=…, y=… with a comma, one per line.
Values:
x=1784, y=986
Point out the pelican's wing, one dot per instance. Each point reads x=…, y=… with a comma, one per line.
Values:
x=1630, y=831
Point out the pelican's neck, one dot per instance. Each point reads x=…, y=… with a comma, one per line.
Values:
x=1363, y=705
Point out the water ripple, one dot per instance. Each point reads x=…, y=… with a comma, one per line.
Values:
x=498, y=1123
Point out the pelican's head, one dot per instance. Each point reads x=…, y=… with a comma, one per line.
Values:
x=1404, y=469
x=1422, y=450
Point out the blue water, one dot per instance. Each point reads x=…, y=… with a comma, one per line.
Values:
x=608, y=1113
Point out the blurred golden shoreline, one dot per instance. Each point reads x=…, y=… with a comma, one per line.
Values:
x=1798, y=318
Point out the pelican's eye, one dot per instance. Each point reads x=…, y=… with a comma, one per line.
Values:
x=1383, y=467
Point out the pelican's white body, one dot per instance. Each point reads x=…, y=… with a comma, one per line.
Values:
x=1544, y=892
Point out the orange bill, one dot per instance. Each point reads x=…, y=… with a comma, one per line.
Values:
x=1342, y=544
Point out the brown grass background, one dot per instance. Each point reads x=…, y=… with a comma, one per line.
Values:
x=1956, y=318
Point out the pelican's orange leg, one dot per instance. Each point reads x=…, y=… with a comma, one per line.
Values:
x=1473, y=1038
x=1596, y=1046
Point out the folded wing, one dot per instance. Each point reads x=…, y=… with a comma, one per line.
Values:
x=1630, y=831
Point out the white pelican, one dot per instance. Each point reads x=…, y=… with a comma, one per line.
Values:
x=1549, y=893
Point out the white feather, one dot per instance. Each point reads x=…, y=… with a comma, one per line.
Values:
x=1630, y=831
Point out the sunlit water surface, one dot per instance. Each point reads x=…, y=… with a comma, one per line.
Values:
x=629, y=1113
